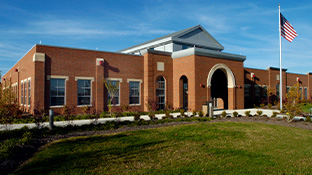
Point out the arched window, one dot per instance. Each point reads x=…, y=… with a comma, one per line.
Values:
x=161, y=92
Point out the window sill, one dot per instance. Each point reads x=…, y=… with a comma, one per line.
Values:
x=134, y=104
x=81, y=106
x=56, y=106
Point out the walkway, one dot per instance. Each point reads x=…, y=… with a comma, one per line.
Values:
x=267, y=112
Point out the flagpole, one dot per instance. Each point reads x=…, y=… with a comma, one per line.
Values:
x=280, y=41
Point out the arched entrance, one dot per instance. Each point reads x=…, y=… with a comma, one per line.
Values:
x=161, y=92
x=219, y=89
x=220, y=80
x=184, y=92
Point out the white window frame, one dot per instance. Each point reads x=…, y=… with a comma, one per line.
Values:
x=305, y=89
x=66, y=78
x=91, y=82
x=135, y=80
x=22, y=92
x=29, y=91
x=120, y=81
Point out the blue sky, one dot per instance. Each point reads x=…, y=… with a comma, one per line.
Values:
x=243, y=27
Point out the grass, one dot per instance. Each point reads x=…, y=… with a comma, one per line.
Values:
x=202, y=148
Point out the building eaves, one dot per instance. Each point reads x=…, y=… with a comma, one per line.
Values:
x=208, y=53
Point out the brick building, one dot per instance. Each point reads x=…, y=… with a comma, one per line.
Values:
x=182, y=69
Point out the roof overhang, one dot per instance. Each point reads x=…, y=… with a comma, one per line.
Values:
x=207, y=53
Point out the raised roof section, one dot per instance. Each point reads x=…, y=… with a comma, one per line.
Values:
x=195, y=36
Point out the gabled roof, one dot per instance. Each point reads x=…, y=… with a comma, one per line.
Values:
x=196, y=35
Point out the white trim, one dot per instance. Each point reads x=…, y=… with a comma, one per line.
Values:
x=57, y=106
x=228, y=72
x=98, y=61
x=137, y=80
x=120, y=81
x=39, y=57
x=114, y=79
x=84, y=78
x=57, y=77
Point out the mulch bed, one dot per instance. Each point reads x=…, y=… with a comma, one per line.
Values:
x=26, y=152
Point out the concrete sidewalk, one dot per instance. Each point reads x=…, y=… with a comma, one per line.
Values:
x=241, y=112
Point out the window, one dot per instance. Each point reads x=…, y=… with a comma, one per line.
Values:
x=57, y=92
x=306, y=93
x=247, y=93
x=287, y=89
x=115, y=100
x=25, y=91
x=84, y=92
x=29, y=97
x=300, y=92
x=265, y=92
x=277, y=90
x=184, y=46
x=134, y=92
x=22, y=92
x=257, y=93
x=161, y=92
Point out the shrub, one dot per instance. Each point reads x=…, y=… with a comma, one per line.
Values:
x=151, y=115
x=282, y=111
x=308, y=119
x=200, y=113
x=86, y=110
x=194, y=113
x=66, y=112
x=235, y=114
x=270, y=106
x=247, y=113
x=136, y=116
x=167, y=114
x=262, y=105
x=259, y=112
x=274, y=114
x=223, y=114
x=182, y=111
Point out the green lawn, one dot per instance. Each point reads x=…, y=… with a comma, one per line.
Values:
x=203, y=148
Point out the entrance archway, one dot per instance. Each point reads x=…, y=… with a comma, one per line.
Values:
x=220, y=80
x=184, y=92
x=219, y=89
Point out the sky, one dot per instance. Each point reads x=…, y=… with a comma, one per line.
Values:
x=245, y=27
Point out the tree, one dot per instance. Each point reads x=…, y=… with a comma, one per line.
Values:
x=292, y=103
x=9, y=108
x=113, y=90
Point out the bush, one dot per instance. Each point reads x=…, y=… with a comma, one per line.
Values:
x=223, y=114
x=136, y=116
x=194, y=113
x=270, y=106
x=182, y=111
x=262, y=105
x=235, y=114
x=308, y=119
x=259, y=112
x=151, y=115
x=247, y=113
x=274, y=114
x=200, y=113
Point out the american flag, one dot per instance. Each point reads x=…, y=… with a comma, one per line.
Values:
x=287, y=30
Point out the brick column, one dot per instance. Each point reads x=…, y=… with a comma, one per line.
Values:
x=99, y=85
x=38, y=83
x=149, y=92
